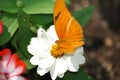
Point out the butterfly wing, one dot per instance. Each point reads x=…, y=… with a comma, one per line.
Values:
x=61, y=17
x=68, y=29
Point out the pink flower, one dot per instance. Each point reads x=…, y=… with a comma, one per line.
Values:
x=10, y=66
x=1, y=27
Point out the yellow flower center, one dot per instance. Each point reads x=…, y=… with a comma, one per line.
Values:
x=56, y=51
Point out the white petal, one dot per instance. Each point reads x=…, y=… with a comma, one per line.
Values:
x=41, y=33
x=79, y=50
x=70, y=64
x=53, y=72
x=17, y=78
x=75, y=60
x=52, y=33
x=46, y=62
x=39, y=47
x=47, y=35
x=61, y=65
x=78, y=56
x=58, y=69
x=81, y=59
x=42, y=71
x=34, y=60
x=34, y=47
x=60, y=75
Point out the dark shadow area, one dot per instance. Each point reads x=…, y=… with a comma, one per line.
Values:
x=110, y=10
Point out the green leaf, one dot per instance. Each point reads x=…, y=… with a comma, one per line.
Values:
x=44, y=20
x=8, y=6
x=27, y=61
x=68, y=2
x=23, y=36
x=10, y=25
x=80, y=75
x=28, y=64
x=84, y=15
x=20, y=54
x=38, y=6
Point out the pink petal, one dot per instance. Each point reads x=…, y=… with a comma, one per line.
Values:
x=2, y=68
x=12, y=63
x=2, y=77
x=1, y=27
x=17, y=78
x=5, y=54
x=19, y=69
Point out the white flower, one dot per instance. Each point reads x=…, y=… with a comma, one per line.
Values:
x=40, y=47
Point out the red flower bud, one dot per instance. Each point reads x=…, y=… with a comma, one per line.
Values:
x=1, y=27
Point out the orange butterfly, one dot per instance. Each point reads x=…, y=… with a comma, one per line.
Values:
x=69, y=31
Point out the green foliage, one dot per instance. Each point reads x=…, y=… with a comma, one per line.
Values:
x=38, y=6
x=84, y=15
x=24, y=58
x=24, y=34
x=10, y=26
x=28, y=64
x=67, y=2
x=28, y=6
x=8, y=6
x=40, y=20
x=80, y=75
x=22, y=18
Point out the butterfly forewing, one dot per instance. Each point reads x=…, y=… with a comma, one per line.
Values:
x=68, y=29
x=61, y=17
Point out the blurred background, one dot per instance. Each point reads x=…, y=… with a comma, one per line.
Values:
x=102, y=33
